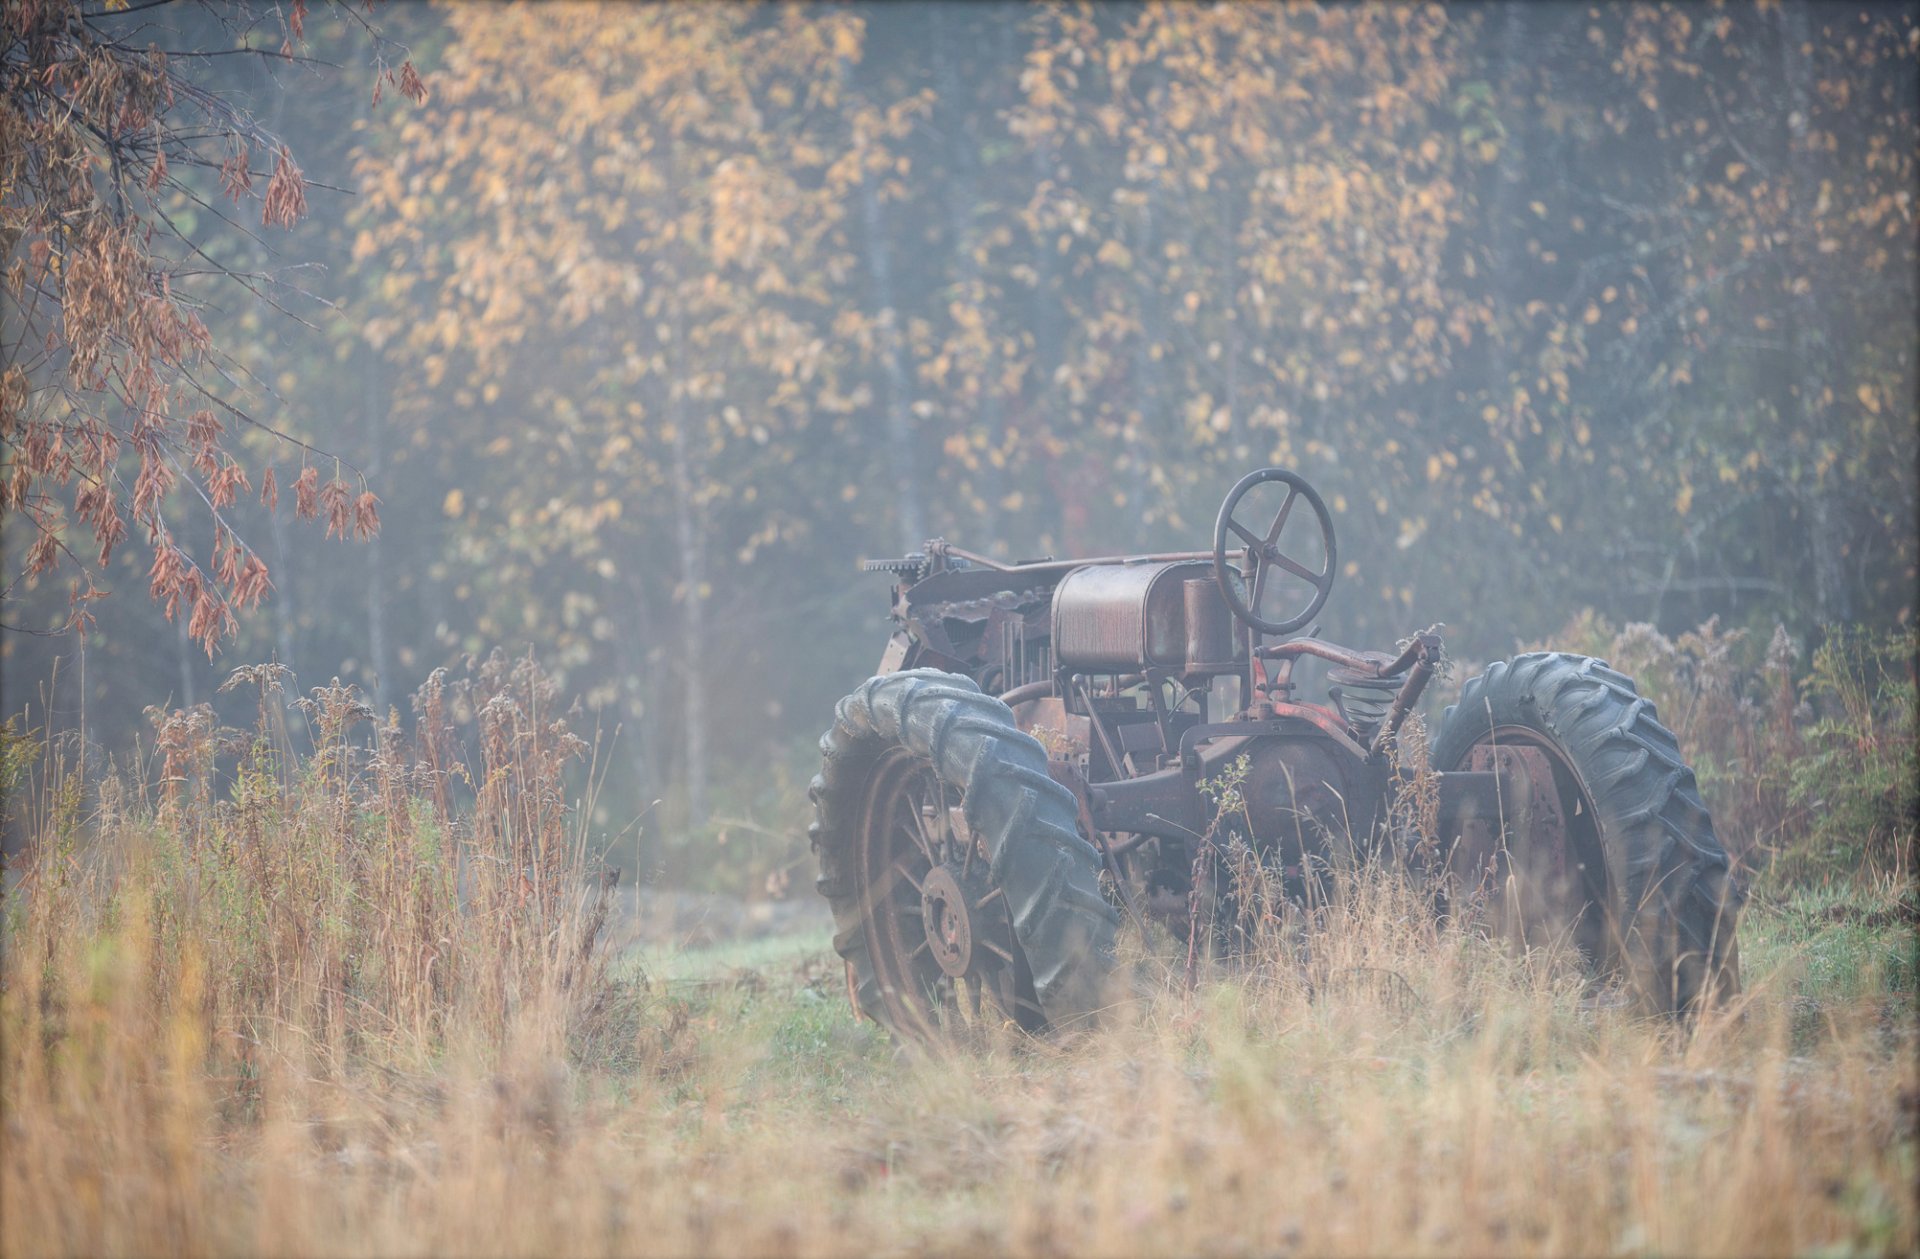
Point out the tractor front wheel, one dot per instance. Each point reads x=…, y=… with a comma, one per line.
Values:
x=1602, y=840
x=963, y=893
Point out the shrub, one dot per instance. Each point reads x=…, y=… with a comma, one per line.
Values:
x=360, y=908
x=1857, y=782
x=1806, y=773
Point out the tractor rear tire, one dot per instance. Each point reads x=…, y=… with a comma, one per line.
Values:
x=1034, y=880
x=1669, y=901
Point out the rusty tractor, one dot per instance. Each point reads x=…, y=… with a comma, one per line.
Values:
x=1032, y=755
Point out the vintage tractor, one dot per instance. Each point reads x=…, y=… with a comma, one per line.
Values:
x=1031, y=759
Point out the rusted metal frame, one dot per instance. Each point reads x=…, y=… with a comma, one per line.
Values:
x=1067, y=776
x=1042, y=689
x=1482, y=835
x=1155, y=679
x=1370, y=786
x=1012, y=626
x=1283, y=713
x=1168, y=804
x=1137, y=839
x=1325, y=723
x=1062, y=566
x=1206, y=732
x=1114, y=759
x=1326, y=651
x=1164, y=804
x=1424, y=646
x=1464, y=793
x=1425, y=651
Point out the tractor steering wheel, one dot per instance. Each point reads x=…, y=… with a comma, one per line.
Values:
x=1265, y=565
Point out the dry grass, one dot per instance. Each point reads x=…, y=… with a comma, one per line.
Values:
x=362, y=1007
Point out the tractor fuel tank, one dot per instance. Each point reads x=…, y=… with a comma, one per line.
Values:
x=1115, y=618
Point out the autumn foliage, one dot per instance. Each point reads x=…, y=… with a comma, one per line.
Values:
x=643, y=327
x=115, y=394
x=1568, y=307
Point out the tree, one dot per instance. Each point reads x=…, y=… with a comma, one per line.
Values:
x=116, y=159
x=662, y=316
x=633, y=247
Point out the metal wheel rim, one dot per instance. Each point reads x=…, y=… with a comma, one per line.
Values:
x=895, y=857
x=1582, y=840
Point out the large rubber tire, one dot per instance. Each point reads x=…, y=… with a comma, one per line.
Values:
x=1670, y=900
x=1062, y=923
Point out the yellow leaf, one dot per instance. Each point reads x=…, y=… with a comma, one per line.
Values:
x=455, y=503
x=1683, y=501
x=1870, y=398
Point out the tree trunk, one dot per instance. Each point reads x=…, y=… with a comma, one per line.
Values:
x=1827, y=531
x=962, y=203
x=1506, y=177
x=185, y=656
x=688, y=477
x=284, y=624
x=638, y=657
x=690, y=534
x=639, y=672
x=376, y=400
x=1043, y=404
x=900, y=436
x=1227, y=280
x=1149, y=385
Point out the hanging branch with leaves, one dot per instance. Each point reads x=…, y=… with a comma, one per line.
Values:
x=115, y=397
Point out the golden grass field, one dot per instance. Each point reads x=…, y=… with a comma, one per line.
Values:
x=328, y=1013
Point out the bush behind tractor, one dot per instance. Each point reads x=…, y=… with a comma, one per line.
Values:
x=1037, y=749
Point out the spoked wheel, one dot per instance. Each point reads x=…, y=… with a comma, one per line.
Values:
x=964, y=896
x=1303, y=562
x=939, y=937
x=1602, y=840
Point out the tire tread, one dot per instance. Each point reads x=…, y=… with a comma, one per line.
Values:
x=1676, y=905
x=1051, y=875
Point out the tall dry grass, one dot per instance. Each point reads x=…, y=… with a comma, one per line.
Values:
x=362, y=1005
x=228, y=948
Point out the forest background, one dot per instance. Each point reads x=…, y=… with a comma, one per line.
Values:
x=648, y=321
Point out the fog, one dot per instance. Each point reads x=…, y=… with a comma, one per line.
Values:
x=647, y=322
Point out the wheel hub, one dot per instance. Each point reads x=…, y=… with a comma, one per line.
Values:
x=947, y=911
x=1532, y=802
x=1525, y=856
